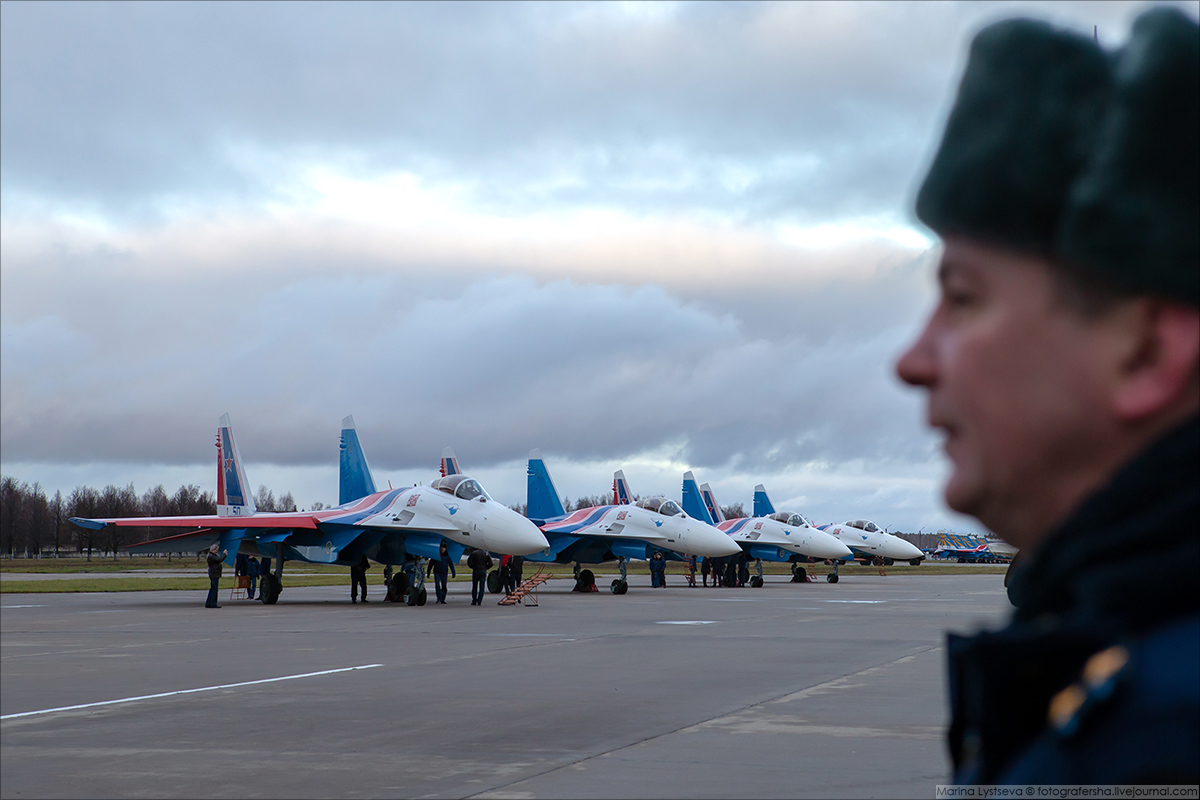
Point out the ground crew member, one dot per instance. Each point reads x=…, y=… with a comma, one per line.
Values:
x=1061, y=364
x=358, y=578
x=215, y=560
x=440, y=566
x=479, y=562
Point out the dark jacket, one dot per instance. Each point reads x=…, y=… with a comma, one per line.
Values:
x=1097, y=678
x=479, y=561
x=439, y=566
x=214, y=564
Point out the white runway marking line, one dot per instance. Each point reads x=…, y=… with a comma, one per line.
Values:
x=185, y=691
x=30, y=606
x=688, y=622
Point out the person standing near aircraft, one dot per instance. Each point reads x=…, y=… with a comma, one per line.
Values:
x=479, y=562
x=252, y=570
x=215, y=560
x=516, y=566
x=439, y=567
x=1062, y=363
x=705, y=568
x=506, y=584
x=358, y=578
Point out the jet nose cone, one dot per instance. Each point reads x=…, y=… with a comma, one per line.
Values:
x=826, y=546
x=516, y=535
x=910, y=550
x=532, y=539
x=719, y=543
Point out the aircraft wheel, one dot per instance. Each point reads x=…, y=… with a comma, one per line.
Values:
x=756, y=582
x=623, y=587
x=615, y=586
x=493, y=581
x=916, y=562
x=422, y=596
x=831, y=578
x=399, y=587
x=273, y=588
x=801, y=575
x=887, y=562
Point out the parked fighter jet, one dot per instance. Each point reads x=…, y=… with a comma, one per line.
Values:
x=385, y=526
x=603, y=533
x=873, y=544
x=779, y=537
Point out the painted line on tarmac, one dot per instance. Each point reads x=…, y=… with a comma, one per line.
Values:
x=854, y=601
x=38, y=605
x=688, y=622
x=184, y=691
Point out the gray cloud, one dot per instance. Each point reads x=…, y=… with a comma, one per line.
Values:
x=753, y=110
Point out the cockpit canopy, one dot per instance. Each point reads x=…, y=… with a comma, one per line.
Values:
x=790, y=518
x=864, y=525
x=662, y=505
x=461, y=486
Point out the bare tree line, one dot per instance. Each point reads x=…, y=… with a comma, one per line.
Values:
x=35, y=525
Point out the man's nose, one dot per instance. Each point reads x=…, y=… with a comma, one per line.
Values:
x=917, y=366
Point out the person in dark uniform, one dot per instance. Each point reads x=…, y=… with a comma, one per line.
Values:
x=1061, y=363
x=479, y=562
x=253, y=571
x=705, y=568
x=358, y=578
x=215, y=560
x=516, y=568
x=440, y=566
x=506, y=582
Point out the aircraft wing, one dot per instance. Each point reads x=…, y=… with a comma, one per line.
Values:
x=205, y=521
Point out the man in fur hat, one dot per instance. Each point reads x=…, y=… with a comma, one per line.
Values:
x=1062, y=363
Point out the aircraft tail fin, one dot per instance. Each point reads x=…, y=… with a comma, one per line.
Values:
x=449, y=463
x=355, y=481
x=233, y=492
x=693, y=503
x=762, y=503
x=710, y=503
x=621, y=494
x=541, y=498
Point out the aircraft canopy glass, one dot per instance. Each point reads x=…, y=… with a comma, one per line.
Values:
x=790, y=518
x=661, y=505
x=461, y=486
x=864, y=525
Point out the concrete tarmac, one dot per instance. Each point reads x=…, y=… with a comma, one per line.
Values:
x=791, y=690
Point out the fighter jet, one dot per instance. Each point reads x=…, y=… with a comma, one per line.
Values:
x=603, y=533
x=782, y=536
x=872, y=543
x=383, y=525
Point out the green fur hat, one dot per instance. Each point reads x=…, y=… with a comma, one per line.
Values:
x=1058, y=148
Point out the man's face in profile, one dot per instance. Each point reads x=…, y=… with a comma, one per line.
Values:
x=1014, y=382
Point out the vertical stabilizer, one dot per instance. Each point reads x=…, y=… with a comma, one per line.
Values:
x=693, y=503
x=449, y=463
x=541, y=498
x=762, y=503
x=621, y=494
x=354, y=473
x=710, y=503
x=233, y=492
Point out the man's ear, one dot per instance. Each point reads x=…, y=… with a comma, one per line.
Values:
x=1160, y=372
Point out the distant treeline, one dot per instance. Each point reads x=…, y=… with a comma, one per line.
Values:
x=34, y=524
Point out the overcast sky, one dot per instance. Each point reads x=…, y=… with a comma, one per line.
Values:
x=654, y=237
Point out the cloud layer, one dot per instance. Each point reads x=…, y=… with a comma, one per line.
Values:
x=665, y=236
